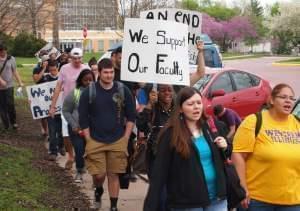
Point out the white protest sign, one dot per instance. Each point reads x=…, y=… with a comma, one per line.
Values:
x=40, y=97
x=155, y=52
x=48, y=49
x=191, y=18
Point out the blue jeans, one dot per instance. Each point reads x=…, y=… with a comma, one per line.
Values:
x=79, y=148
x=262, y=206
x=214, y=206
x=55, y=135
x=7, y=107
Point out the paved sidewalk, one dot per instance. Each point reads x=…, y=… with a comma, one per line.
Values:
x=129, y=200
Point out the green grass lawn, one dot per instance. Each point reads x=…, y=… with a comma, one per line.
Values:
x=21, y=184
x=290, y=61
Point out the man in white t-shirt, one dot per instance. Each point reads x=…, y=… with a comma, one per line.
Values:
x=66, y=82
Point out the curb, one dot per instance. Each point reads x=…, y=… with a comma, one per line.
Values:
x=285, y=64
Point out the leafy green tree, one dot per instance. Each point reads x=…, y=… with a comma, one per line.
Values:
x=190, y=4
x=285, y=27
x=220, y=12
x=255, y=12
x=275, y=9
x=256, y=9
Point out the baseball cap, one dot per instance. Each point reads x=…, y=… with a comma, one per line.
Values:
x=76, y=52
x=45, y=58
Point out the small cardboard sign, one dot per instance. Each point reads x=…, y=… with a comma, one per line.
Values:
x=48, y=49
x=155, y=52
x=40, y=98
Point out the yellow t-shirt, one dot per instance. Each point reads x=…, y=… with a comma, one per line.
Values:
x=273, y=165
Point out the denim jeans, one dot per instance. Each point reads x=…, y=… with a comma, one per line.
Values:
x=214, y=206
x=262, y=206
x=55, y=135
x=79, y=148
x=7, y=107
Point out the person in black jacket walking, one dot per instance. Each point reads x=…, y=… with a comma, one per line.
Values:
x=189, y=160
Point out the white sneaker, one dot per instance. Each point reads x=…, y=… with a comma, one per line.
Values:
x=78, y=178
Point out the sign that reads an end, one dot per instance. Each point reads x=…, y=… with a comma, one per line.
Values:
x=191, y=18
x=155, y=52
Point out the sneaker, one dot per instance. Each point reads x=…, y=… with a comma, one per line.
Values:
x=113, y=209
x=132, y=177
x=62, y=151
x=78, y=178
x=98, y=201
x=52, y=157
x=15, y=126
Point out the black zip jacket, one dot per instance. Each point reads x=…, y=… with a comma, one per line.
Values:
x=184, y=178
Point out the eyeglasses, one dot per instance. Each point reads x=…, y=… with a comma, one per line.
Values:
x=285, y=97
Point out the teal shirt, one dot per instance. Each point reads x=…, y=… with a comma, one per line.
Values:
x=207, y=163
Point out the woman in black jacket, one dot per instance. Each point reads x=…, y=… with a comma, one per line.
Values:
x=189, y=160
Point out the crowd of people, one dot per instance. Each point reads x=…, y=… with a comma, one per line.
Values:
x=103, y=118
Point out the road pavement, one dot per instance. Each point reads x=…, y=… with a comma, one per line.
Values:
x=274, y=74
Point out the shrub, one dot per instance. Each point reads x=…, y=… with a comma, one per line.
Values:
x=8, y=41
x=26, y=45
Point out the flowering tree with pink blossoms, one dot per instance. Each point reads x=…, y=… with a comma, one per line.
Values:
x=224, y=33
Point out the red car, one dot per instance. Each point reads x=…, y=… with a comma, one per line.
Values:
x=239, y=90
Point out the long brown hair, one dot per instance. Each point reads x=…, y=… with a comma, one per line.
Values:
x=181, y=135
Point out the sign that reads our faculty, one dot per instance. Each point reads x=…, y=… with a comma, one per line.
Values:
x=191, y=18
x=155, y=52
x=40, y=97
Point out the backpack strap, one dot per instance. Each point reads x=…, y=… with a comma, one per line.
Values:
x=296, y=117
x=92, y=92
x=76, y=94
x=4, y=64
x=212, y=125
x=258, y=123
x=121, y=90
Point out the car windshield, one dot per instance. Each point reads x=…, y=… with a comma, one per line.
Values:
x=200, y=85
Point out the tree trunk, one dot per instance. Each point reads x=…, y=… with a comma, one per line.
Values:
x=33, y=18
x=55, y=30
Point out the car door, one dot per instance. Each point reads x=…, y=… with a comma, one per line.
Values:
x=221, y=82
x=248, y=97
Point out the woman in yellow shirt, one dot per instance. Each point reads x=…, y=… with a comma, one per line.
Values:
x=269, y=164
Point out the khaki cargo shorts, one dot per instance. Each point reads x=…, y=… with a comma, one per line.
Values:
x=101, y=158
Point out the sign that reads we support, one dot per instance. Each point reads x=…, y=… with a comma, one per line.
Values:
x=40, y=97
x=191, y=18
x=155, y=52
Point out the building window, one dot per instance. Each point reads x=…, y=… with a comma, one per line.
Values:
x=100, y=45
x=94, y=14
x=111, y=43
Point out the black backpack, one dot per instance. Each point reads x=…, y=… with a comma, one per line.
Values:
x=259, y=122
